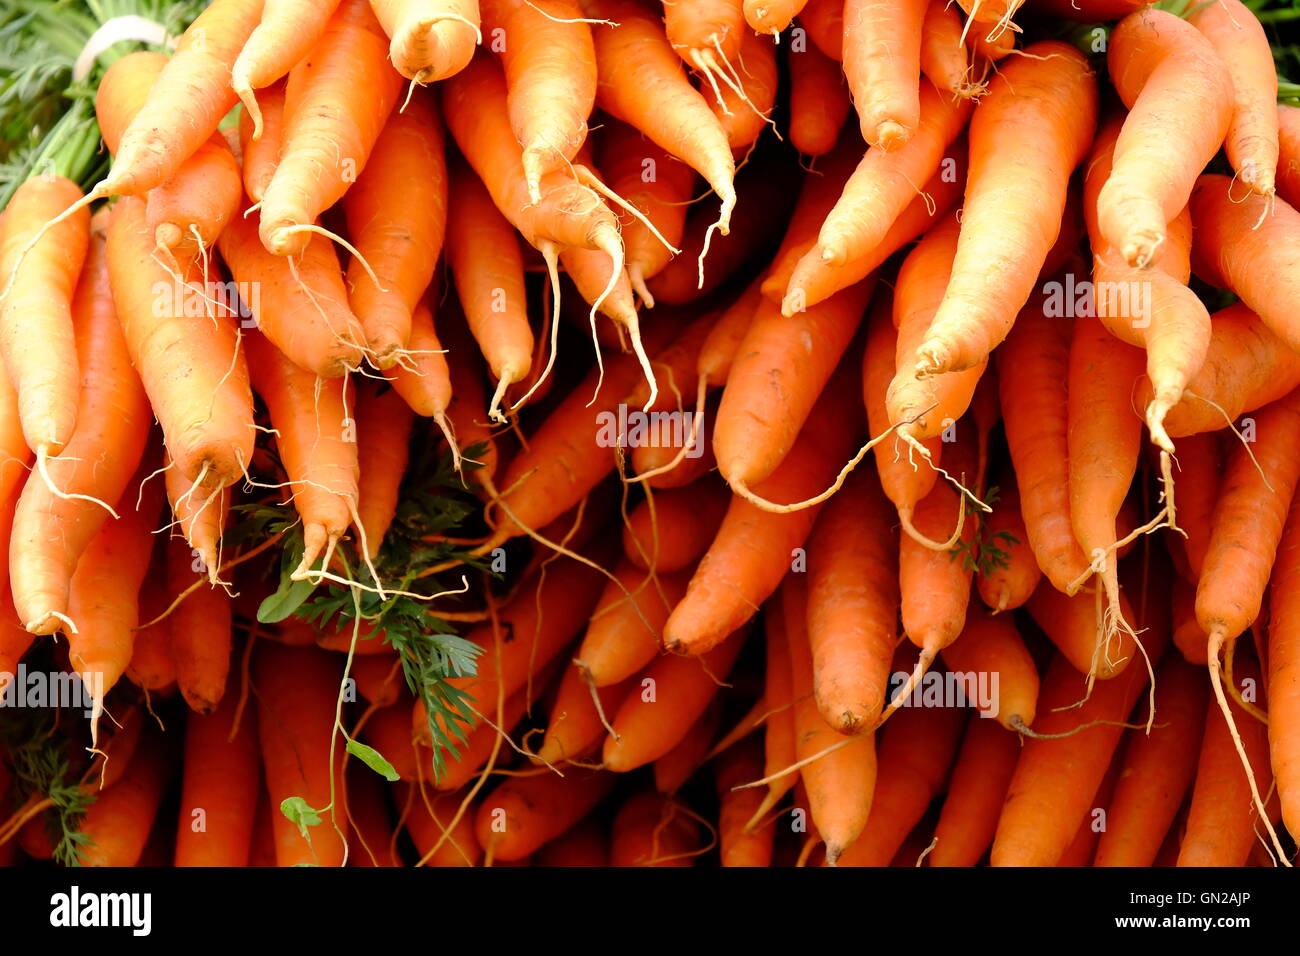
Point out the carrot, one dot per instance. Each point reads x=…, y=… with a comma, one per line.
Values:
x=36, y=324
x=200, y=635
x=481, y=741
x=641, y=83
x=428, y=827
x=389, y=731
x=1082, y=848
x=924, y=408
x=771, y=16
x=990, y=648
x=297, y=689
x=397, y=213
x=14, y=453
x=1188, y=636
x=488, y=268
x=746, y=561
x=14, y=638
x=50, y=529
x=623, y=635
x=914, y=755
x=371, y=839
x=657, y=185
x=744, y=105
x=775, y=381
x=187, y=357
x=1246, y=367
x=432, y=39
x=425, y=384
x=675, y=769
x=316, y=438
x=574, y=729
x=1252, y=136
x=1221, y=824
x=262, y=155
x=103, y=597
x=823, y=21
x=1283, y=662
x=119, y=822
x=698, y=29
x=1103, y=441
x=1030, y=130
x=1162, y=68
x=1288, y=169
x=673, y=534
x=878, y=191
x=852, y=596
x=1255, y=262
x=1055, y=780
x=465, y=420
x=1072, y=623
x=1157, y=770
x=522, y=813
x=808, y=275
x=189, y=99
x=819, y=101
x=739, y=846
x=882, y=63
x=289, y=31
x=944, y=59
x=1198, y=484
x=839, y=783
x=674, y=692
x=550, y=67
x=1008, y=585
x=335, y=106
x=219, y=789
x=378, y=678
x=583, y=844
x=779, y=723
x=976, y=791
x=650, y=830
x=383, y=425
x=302, y=308
x=1151, y=308
x=151, y=667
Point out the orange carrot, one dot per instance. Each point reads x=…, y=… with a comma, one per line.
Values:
x=200, y=635
x=1199, y=464
x=990, y=649
x=303, y=307
x=316, y=438
x=262, y=155
x=1288, y=169
x=976, y=792
x=186, y=354
x=1072, y=623
x=641, y=83
x=1283, y=665
x=397, y=212
x=744, y=105
x=771, y=16
x=944, y=58
x=738, y=846
x=584, y=844
x=432, y=39
x=219, y=789
x=623, y=635
x=1252, y=137
x=296, y=693
x=1162, y=68
x=882, y=62
x=36, y=325
x=819, y=101
x=119, y=822
x=335, y=105
x=676, y=531
x=288, y=32
x=550, y=67
x=429, y=826
x=674, y=692
x=852, y=596
x=383, y=427
x=1010, y=584
x=650, y=830
x=1157, y=770
x=524, y=812
x=426, y=383
x=574, y=730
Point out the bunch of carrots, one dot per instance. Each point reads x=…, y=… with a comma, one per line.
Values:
x=606, y=432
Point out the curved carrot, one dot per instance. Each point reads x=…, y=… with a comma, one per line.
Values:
x=335, y=106
x=744, y=106
x=990, y=646
x=1163, y=68
x=624, y=632
x=36, y=331
x=260, y=156
x=524, y=812
x=1030, y=130
x=288, y=31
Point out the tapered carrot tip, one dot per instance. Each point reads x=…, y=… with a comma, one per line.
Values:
x=1141, y=247
x=890, y=136
x=168, y=235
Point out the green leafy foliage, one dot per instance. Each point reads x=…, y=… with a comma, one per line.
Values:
x=981, y=553
x=38, y=752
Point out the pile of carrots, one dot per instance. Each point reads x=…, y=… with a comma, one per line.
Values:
x=963, y=529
